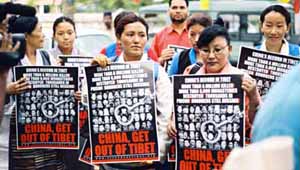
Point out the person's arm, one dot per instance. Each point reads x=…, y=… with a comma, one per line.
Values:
x=6, y=47
x=165, y=55
x=249, y=85
x=3, y=76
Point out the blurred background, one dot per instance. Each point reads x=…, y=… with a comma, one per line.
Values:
x=242, y=17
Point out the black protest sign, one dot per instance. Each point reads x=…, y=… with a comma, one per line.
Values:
x=47, y=114
x=76, y=61
x=209, y=118
x=122, y=112
x=80, y=62
x=265, y=67
x=177, y=49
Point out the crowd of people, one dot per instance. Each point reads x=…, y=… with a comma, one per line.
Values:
x=208, y=50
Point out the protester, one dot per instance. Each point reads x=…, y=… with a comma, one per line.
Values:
x=37, y=158
x=174, y=34
x=114, y=49
x=132, y=33
x=6, y=47
x=195, y=25
x=107, y=20
x=275, y=23
x=64, y=33
x=280, y=113
x=215, y=49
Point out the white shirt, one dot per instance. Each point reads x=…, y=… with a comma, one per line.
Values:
x=284, y=49
x=55, y=52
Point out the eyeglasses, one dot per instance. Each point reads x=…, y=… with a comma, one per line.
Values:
x=215, y=51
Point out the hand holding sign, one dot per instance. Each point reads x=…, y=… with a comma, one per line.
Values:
x=101, y=60
x=18, y=86
x=166, y=54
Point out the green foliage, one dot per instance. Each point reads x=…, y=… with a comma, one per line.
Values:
x=101, y=5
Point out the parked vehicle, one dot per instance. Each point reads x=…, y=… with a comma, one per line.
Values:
x=241, y=18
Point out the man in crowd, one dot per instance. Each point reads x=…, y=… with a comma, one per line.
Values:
x=174, y=34
x=107, y=20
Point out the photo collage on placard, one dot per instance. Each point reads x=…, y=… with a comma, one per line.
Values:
x=209, y=118
x=197, y=126
x=110, y=110
x=47, y=114
x=122, y=107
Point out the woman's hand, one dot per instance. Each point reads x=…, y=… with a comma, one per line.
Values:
x=59, y=61
x=100, y=60
x=249, y=85
x=166, y=54
x=18, y=86
x=7, y=43
x=172, y=132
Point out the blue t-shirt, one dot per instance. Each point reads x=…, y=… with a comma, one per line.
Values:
x=174, y=67
x=280, y=112
x=294, y=49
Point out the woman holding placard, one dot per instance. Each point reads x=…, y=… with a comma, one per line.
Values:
x=275, y=23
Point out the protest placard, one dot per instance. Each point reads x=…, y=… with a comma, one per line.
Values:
x=122, y=113
x=209, y=118
x=266, y=67
x=47, y=113
x=80, y=62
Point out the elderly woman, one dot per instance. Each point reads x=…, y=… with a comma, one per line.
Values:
x=132, y=33
x=215, y=49
x=38, y=158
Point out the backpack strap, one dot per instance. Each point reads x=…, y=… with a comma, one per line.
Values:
x=45, y=57
x=114, y=58
x=184, y=61
x=294, y=50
